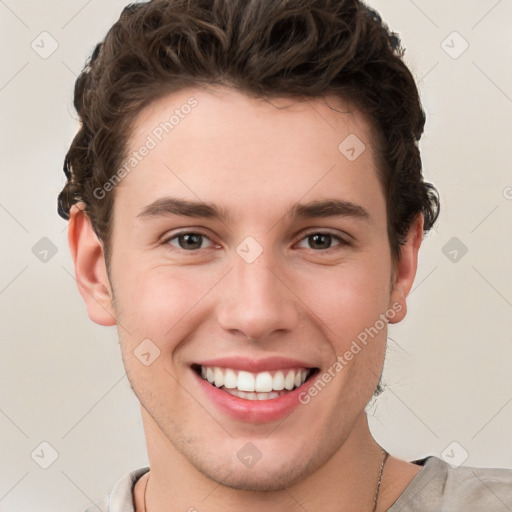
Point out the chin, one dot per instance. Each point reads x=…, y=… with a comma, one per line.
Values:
x=263, y=479
x=273, y=472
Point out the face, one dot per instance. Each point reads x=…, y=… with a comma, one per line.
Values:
x=252, y=276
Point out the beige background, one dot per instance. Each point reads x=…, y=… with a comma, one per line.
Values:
x=448, y=367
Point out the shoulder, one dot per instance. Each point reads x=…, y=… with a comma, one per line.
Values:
x=121, y=497
x=442, y=487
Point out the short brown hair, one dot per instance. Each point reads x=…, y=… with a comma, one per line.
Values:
x=264, y=48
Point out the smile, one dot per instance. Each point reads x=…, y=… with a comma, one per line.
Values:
x=267, y=385
x=254, y=390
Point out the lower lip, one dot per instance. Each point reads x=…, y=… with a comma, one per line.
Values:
x=253, y=411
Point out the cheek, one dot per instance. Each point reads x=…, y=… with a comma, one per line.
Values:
x=347, y=299
x=156, y=310
x=158, y=303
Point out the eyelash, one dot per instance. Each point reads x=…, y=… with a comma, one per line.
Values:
x=340, y=241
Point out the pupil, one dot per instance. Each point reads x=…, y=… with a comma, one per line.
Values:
x=190, y=241
x=320, y=241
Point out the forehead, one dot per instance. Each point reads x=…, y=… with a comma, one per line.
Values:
x=220, y=144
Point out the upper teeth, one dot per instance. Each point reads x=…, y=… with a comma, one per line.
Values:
x=259, y=382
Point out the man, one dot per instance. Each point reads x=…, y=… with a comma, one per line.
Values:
x=246, y=204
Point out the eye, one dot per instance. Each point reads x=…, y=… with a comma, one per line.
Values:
x=321, y=241
x=189, y=241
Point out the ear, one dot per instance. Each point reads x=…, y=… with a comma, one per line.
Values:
x=405, y=271
x=90, y=268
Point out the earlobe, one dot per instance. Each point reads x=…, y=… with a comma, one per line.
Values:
x=90, y=268
x=405, y=271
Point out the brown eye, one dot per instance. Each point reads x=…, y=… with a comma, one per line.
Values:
x=188, y=241
x=320, y=241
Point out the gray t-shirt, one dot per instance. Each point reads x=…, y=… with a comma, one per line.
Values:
x=438, y=487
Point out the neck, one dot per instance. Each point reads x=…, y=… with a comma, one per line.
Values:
x=346, y=482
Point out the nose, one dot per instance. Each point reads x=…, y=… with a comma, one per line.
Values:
x=257, y=300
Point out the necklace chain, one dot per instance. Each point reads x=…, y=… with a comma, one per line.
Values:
x=386, y=454
x=375, y=500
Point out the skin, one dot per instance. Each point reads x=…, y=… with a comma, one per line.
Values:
x=255, y=162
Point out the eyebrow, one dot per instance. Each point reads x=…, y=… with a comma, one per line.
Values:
x=328, y=208
x=321, y=208
x=182, y=207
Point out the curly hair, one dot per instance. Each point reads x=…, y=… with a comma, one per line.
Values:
x=264, y=48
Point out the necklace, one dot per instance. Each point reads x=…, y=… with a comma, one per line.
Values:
x=375, y=499
x=386, y=454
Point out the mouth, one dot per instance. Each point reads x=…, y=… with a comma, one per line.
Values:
x=252, y=386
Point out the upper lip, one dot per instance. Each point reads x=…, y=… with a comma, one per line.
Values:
x=256, y=365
